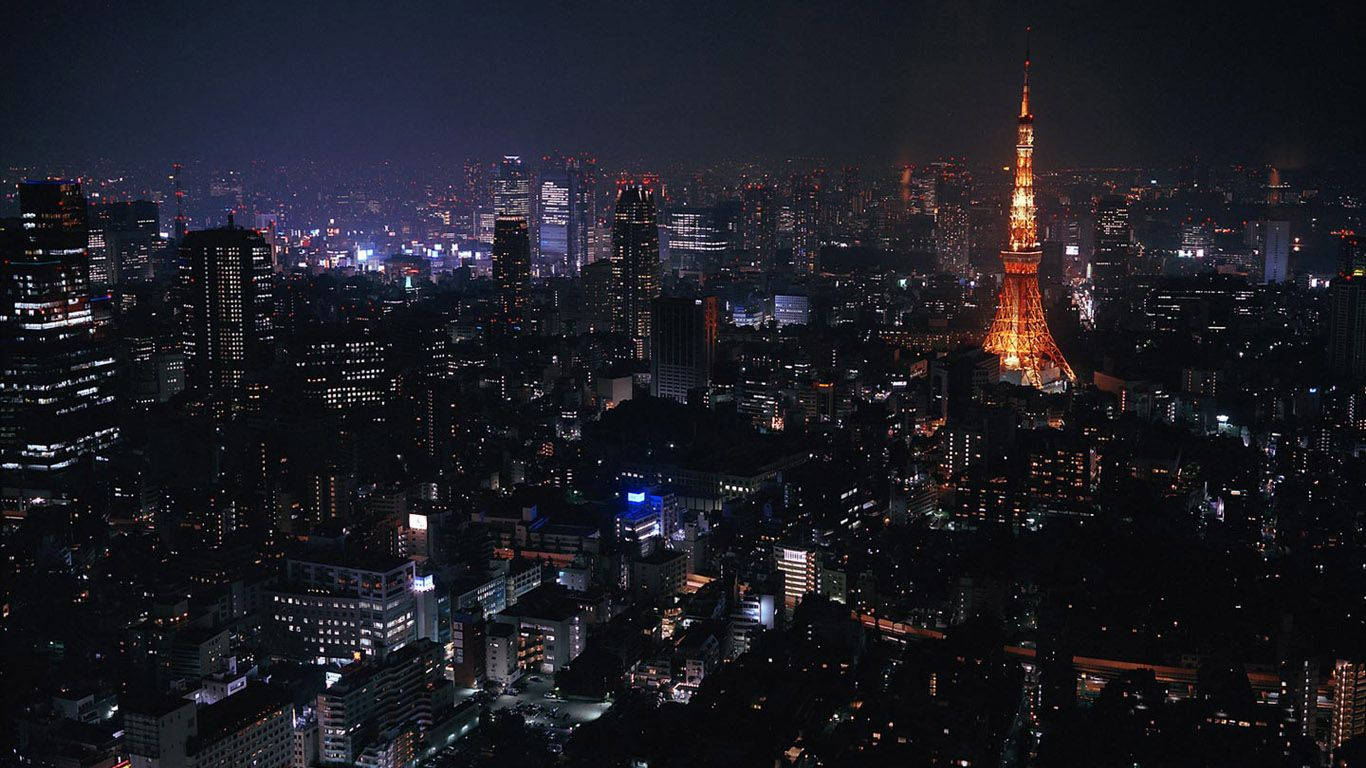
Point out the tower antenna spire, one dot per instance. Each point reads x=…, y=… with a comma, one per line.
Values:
x=1019, y=334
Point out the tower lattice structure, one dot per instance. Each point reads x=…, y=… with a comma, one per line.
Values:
x=1019, y=334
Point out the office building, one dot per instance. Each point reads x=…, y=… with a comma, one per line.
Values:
x=226, y=290
x=565, y=211
x=1274, y=243
x=500, y=654
x=791, y=310
x=683, y=345
x=329, y=612
x=1349, y=703
x=659, y=575
x=556, y=225
x=130, y=238
x=1347, y=313
x=635, y=265
x=512, y=189
x=797, y=567
x=1110, y=264
x=156, y=733
x=376, y=698
x=1195, y=241
x=156, y=368
x=952, y=229
x=550, y=630
x=347, y=375
x=511, y=272
x=758, y=225
x=695, y=240
x=253, y=728
x=57, y=373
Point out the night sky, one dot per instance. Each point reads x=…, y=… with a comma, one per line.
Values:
x=1115, y=82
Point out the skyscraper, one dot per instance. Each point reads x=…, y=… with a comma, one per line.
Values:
x=952, y=201
x=565, y=216
x=557, y=226
x=129, y=233
x=1019, y=335
x=1347, y=313
x=511, y=271
x=1349, y=703
x=758, y=225
x=227, y=327
x=1275, y=247
x=512, y=189
x=695, y=239
x=682, y=345
x=57, y=375
x=1110, y=263
x=635, y=265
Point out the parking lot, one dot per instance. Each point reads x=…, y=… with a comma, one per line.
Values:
x=533, y=701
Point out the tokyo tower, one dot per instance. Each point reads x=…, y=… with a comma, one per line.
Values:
x=1019, y=335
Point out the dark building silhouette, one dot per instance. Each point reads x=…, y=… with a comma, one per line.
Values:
x=511, y=271
x=226, y=286
x=128, y=236
x=758, y=224
x=57, y=374
x=635, y=265
x=682, y=345
x=1110, y=262
x=1347, y=313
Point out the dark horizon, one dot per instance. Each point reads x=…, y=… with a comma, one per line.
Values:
x=904, y=83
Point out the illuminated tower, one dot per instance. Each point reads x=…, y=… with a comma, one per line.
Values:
x=1019, y=335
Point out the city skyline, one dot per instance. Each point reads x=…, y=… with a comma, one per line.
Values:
x=612, y=385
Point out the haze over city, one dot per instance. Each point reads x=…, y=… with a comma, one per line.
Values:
x=783, y=384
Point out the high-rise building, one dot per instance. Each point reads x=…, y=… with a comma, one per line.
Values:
x=791, y=309
x=155, y=367
x=337, y=610
x=56, y=373
x=130, y=235
x=558, y=228
x=1110, y=264
x=951, y=202
x=349, y=375
x=635, y=265
x=797, y=566
x=683, y=345
x=696, y=240
x=1347, y=312
x=1349, y=703
x=511, y=271
x=565, y=217
x=512, y=189
x=227, y=326
x=253, y=728
x=758, y=224
x=1019, y=334
x=374, y=699
x=1195, y=241
x=1275, y=248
